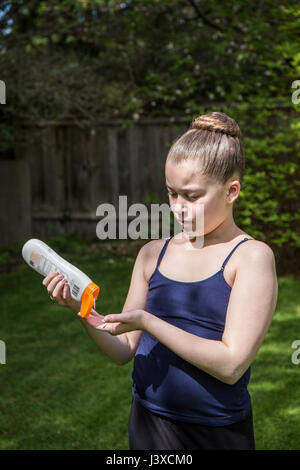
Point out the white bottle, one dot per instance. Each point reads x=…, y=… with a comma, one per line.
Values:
x=44, y=260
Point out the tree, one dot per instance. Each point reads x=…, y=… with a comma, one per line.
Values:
x=85, y=61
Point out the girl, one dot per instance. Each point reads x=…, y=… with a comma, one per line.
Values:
x=198, y=307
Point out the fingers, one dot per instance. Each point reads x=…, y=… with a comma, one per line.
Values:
x=52, y=282
x=57, y=287
x=119, y=317
x=94, y=319
x=66, y=295
x=49, y=278
x=113, y=329
x=57, y=292
x=110, y=326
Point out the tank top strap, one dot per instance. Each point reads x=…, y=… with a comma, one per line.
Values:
x=244, y=239
x=161, y=254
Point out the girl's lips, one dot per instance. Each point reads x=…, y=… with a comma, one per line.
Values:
x=182, y=221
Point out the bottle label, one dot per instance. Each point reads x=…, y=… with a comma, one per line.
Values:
x=44, y=266
x=34, y=259
x=41, y=264
x=75, y=290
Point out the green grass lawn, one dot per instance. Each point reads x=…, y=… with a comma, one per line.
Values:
x=58, y=391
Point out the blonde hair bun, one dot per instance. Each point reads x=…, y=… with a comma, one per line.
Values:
x=217, y=122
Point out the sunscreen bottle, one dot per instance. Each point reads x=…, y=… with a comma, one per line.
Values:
x=44, y=260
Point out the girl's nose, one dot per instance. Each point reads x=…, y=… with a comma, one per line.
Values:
x=181, y=210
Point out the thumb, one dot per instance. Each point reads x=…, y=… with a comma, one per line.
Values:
x=111, y=318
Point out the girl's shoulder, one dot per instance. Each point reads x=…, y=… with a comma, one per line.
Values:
x=151, y=251
x=254, y=249
x=153, y=247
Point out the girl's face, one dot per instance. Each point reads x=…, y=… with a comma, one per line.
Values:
x=197, y=198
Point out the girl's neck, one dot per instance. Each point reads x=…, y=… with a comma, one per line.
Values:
x=222, y=234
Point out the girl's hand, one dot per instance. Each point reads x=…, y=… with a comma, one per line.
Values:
x=59, y=290
x=94, y=319
x=118, y=323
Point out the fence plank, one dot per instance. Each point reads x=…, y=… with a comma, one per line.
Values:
x=112, y=162
x=75, y=169
x=15, y=202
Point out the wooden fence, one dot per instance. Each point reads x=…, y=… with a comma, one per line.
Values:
x=74, y=170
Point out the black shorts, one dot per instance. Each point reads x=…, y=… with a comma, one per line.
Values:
x=150, y=431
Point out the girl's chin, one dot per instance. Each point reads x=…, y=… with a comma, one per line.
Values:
x=190, y=234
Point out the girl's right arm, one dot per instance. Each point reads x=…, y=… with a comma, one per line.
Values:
x=120, y=349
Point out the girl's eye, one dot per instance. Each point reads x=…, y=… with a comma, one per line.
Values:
x=191, y=198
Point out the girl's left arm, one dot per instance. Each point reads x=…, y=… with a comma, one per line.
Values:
x=250, y=310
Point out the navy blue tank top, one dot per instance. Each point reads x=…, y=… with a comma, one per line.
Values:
x=166, y=384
